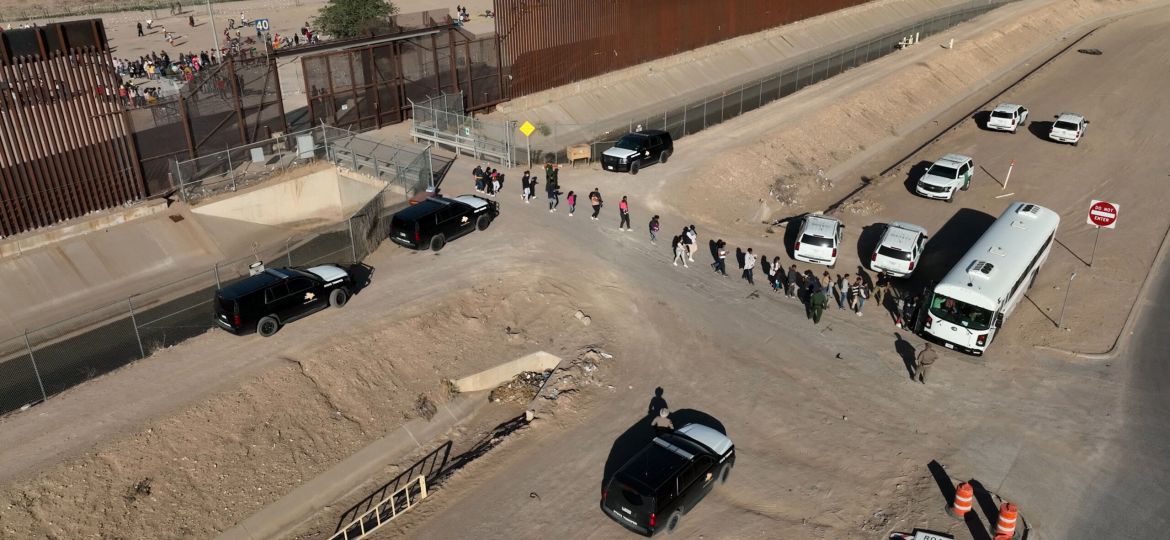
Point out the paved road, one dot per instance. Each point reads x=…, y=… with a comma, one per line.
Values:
x=1133, y=500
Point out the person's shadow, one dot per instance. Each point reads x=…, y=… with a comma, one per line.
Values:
x=905, y=349
x=739, y=257
x=657, y=403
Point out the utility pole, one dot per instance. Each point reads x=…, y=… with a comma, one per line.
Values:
x=214, y=36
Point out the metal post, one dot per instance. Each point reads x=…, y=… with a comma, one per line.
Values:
x=325, y=140
x=230, y=168
x=134, y=321
x=1067, y=290
x=216, y=269
x=288, y=249
x=214, y=36
x=1009, y=175
x=352, y=243
x=704, y=115
x=528, y=144
x=36, y=371
x=684, y=125
x=1094, y=252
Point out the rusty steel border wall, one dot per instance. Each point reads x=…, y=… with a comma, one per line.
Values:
x=65, y=148
x=551, y=43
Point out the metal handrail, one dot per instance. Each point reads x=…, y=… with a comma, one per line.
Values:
x=377, y=513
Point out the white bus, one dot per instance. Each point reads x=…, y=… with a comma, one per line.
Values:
x=968, y=307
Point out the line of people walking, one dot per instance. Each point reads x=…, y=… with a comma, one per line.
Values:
x=818, y=293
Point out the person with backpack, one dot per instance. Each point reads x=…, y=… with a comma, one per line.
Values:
x=595, y=200
x=721, y=257
x=477, y=174
x=572, y=200
x=624, y=212
x=654, y=229
x=793, y=282
x=859, y=292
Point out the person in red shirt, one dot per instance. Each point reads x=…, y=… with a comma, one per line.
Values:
x=624, y=210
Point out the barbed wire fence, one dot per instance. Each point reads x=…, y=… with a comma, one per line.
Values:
x=45, y=361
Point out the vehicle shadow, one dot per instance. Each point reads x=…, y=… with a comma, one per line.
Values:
x=634, y=439
x=867, y=241
x=1040, y=128
x=361, y=274
x=791, y=229
x=946, y=246
x=914, y=174
x=981, y=118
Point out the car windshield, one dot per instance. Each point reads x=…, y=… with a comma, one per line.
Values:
x=961, y=313
x=942, y=171
x=892, y=253
x=629, y=142
x=1001, y=114
x=1065, y=125
x=816, y=241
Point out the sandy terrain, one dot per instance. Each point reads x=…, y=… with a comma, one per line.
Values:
x=284, y=17
x=833, y=438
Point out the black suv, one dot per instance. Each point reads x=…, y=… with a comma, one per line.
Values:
x=665, y=480
x=437, y=220
x=634, y=150
x=277, y=296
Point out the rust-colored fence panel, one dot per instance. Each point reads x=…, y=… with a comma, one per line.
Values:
x=367, y=87
x=233, y=103
x=549, y=43
x=65, y=147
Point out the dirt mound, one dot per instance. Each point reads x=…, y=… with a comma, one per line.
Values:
x=203, y=469
x=793, y=148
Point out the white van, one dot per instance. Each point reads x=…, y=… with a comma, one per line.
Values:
x=818, y=240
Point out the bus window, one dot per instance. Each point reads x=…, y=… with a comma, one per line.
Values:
x=960, y=313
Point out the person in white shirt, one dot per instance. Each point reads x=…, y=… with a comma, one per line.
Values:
x=749, y=263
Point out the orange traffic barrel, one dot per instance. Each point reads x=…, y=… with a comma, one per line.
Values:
x=1005, y=529
x=964, y=495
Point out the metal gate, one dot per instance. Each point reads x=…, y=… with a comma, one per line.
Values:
x=441, y=120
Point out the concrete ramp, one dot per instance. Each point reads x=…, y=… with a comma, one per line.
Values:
x=490, y=378
x=84, y=272
x=305, y=202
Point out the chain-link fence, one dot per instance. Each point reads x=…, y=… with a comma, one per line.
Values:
x=49, y=360
x=242, y=166
x=441, y=119
x=247, y=165
x=550, y=142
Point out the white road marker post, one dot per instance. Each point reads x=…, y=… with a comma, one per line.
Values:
x=1009, y=175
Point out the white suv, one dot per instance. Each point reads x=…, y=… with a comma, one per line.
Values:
x=899, y=249
x=818, y=240
x=949, y=174
x=1068, y=128
x=1007, y=117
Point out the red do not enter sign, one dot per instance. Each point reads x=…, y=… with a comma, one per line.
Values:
x=1103, y=214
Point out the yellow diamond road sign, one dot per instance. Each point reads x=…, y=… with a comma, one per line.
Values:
x=527, y=128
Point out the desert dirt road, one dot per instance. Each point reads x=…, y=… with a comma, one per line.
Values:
x=837, y=446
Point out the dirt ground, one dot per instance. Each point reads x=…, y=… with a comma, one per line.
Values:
x=284, y=17
x=833, y=438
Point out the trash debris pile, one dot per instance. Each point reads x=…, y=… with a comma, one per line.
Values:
x=521, y=389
